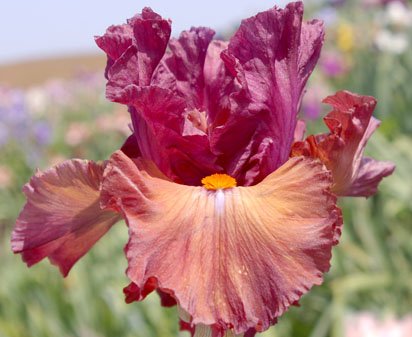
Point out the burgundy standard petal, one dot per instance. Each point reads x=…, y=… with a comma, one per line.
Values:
x=181, y=70
x=351, y=125
x=238, y=101
x=169, y=118
x=134, y=50
x=272, y=56
x=219, y=84
x=115, y=42
x=131, y=147
x=233, y=259
x=62, y=218
x=164, y=136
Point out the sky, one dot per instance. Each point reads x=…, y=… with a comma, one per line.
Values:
x=43, y=28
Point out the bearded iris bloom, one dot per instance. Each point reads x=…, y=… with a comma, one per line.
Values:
x=232, y=215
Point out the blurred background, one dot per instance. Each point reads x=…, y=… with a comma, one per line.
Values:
x=52, y=107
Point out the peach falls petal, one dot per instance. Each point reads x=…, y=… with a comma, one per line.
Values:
x=62, y=218
x=233, y=258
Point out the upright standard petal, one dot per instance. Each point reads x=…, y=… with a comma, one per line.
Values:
x=62, y=218
x=181, y=70
x=234, y=259
x=351, y=125
x=160, y=125
x=272, y=55
x=133, y=50
x=219, y=85
x=238, y=100
x=166, y=104
x=179, y=118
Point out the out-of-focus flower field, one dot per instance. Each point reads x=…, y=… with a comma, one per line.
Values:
x=368, y=291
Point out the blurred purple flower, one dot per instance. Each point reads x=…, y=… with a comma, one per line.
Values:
x=336, y=2
x=381, y=2
x=13, y=115
x=332, y=64
x=42, y=133
x=17, y=125
x=4, y=134
x=328, y=15
x=312, y=107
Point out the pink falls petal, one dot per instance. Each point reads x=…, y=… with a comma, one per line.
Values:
x=62, y=218
x=272, y=55
x=233, y=259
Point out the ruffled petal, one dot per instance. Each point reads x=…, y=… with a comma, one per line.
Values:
x=62, y=218
x=351, y=125
x=235, y=258
x=219, y=84
x=159, y=125
x=370, y=174
x=272, y=55
x=114, y=43
x=166, y=105
x=181, y=70
x=133, y=293
x=237, y=102
x=134, y=50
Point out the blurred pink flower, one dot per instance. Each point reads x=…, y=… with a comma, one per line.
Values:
x=6, y=177
x=118, y=121
x=380, y=2
x=367, y=324
x=77, y=133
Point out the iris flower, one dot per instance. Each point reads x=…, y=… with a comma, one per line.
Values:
x=231, y=214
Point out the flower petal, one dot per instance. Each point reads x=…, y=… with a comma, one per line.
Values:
x=62, y=218
x=134, y=50
x=133, y=293
x=351, y=125
x=370, y=174
x=234, y=258
x=219, y=84
x=159, y=125
x=115, y=42
x=169, y=129
x=272, y=55
x=300, y=131
x=181, y=70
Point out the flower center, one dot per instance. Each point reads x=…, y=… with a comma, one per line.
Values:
x=218, y=181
